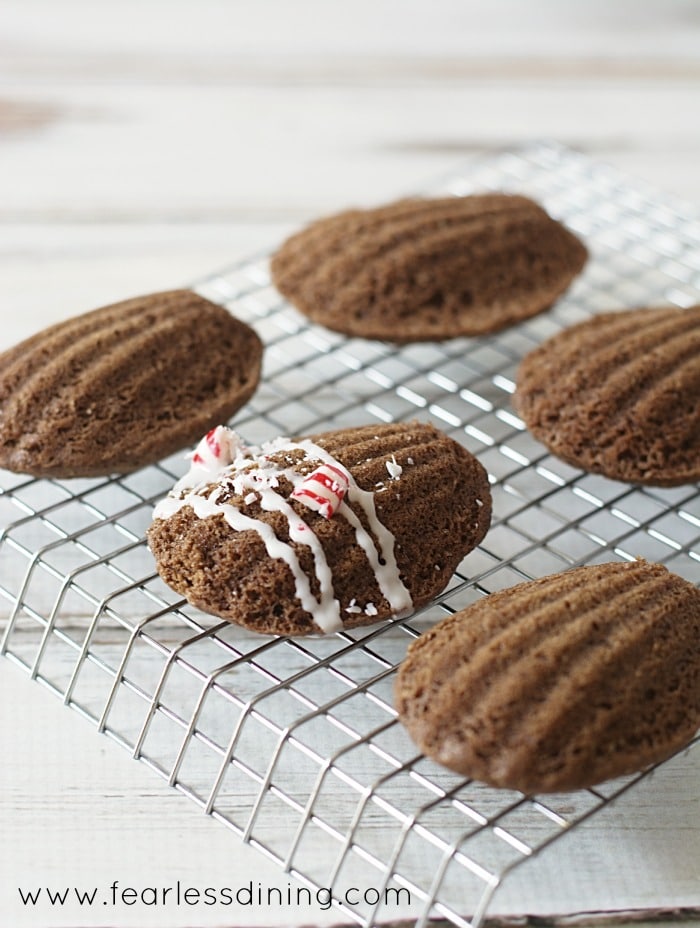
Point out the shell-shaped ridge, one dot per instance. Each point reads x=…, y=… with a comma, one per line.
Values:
x=429, y=269
x=599, y=680
x=619, y=395
x=123, y=386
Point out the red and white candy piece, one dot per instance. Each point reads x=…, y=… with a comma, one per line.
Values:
x=217, y=449
x=323, y=490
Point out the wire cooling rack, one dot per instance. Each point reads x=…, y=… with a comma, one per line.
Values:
x=294, y=744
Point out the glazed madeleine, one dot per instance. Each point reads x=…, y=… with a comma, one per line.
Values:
x=322, y=533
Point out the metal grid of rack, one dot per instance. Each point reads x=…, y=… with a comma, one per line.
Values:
x=294, y=744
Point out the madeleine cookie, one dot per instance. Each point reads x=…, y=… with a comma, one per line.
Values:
x=424, y=269
x=313, y=535
x=559, y=683
x=123, y=386
x=619, y=395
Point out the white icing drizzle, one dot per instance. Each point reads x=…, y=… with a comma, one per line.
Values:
x=326, y=613
x=386, y=573
x=250, y=474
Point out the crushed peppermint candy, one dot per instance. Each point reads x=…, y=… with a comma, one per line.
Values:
x=217, y=449
x=395, y=469
x=354, y=609
x=209, y=448
x=323, y=490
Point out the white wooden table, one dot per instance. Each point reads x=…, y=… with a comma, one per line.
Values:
x=145, y=144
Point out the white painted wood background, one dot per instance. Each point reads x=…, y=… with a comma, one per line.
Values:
x=143, y=144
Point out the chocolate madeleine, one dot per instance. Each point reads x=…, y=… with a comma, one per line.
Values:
x=619, y=395
x=340, y=529
x=123, y=386
x=559, y=683
x=423, y=269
